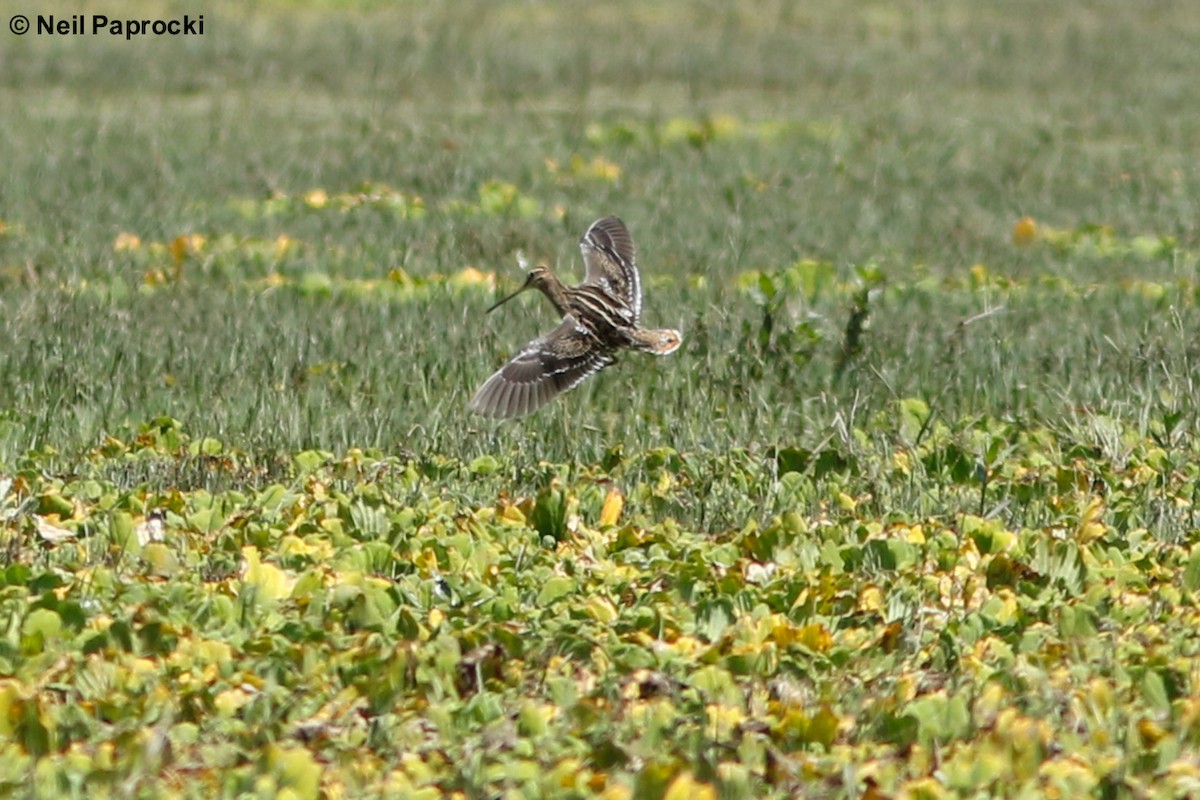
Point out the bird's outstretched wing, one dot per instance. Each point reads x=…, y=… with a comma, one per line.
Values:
x=611, y=263
x=545, y=368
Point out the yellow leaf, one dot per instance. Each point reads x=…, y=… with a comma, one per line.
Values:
x=1091, y=527
x=229, y=701
x=316, y=198
x=606, y=169
x=687, y=645
x=154, y=277
x=923, y=789
x=474, y=277
x=208, y=651
x=870, y=599
x=1189, y=715
x=283, y=245
x=127, y=241
x=105, y=756
x=271, y=582
x=617, y=792
x=1020, y=731
x=598, y=168
x=417, y=769
x=1183, y=771
x=333, y=789
x=601, y=609
x=1024, y=231
x=686, y=787
x=723, y=720
x=569, y=774
x=823, y=727
x=988, y=704
x=142, y=666
x=610, y=512
x=509, y=513
x=815, y=637
x=189, y=244
x=426, y=561
x=314, y=547
x=724, y=126
x=296, y=770
x=1150, y=732
x=1067, y=777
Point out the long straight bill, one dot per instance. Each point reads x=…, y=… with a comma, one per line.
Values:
x=504, y=300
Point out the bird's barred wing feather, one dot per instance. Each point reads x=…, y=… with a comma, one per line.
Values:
x=545, y=368
x=611, y=263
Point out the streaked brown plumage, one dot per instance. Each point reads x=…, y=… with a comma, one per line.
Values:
x=599, y=317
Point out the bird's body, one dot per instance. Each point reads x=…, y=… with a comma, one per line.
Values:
x=599, y=317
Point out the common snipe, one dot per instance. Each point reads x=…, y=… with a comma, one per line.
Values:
x=599, y=317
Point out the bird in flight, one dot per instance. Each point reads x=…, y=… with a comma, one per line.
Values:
x=599, y=317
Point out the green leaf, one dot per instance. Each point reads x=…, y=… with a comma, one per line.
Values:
x=793, y=459
x=41, y=626
x=1154, y=690
x=122, y=529
x=555, y=588
x=549, y=516
x=484, y=465
x=1191, y=572
x=914, y=416
x=940, y=718
x=310, y=461
x=207, y=446
x=17, y=575
x=160, y=559
x=42, y=622
x=55, y=503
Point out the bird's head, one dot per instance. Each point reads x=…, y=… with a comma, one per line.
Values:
x=536, y=279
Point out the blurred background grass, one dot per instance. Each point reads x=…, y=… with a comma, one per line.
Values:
x=734, y=138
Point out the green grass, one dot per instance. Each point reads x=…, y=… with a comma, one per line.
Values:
x=824, y=200
x=910, y=141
